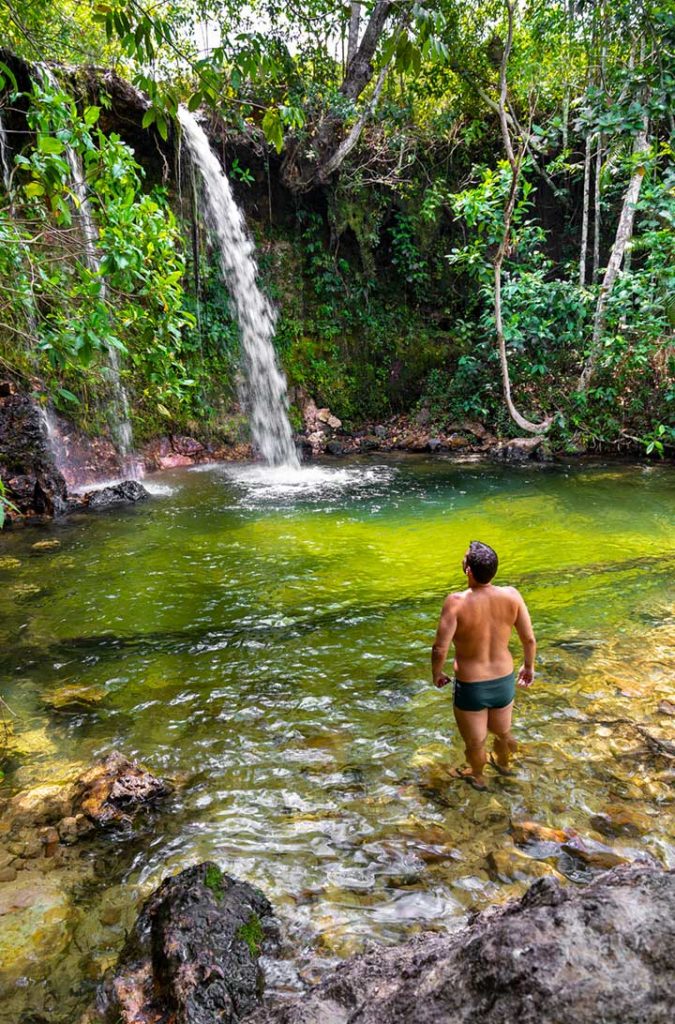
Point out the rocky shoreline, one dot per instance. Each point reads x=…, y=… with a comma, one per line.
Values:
x=50, y=468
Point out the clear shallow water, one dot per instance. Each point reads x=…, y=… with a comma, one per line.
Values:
x=265, y=643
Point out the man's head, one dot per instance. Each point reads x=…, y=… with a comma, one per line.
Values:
x=481, y=560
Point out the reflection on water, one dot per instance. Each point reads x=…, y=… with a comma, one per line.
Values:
x=265, y=641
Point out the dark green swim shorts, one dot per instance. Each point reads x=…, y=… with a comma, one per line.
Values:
x=489, y=693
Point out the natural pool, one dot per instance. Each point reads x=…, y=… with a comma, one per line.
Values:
x=266, y=646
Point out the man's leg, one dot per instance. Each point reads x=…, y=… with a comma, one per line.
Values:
x=472, y=726
x=499, y=723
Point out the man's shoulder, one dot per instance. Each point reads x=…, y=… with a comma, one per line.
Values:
x=510, y=593
x=454, y=599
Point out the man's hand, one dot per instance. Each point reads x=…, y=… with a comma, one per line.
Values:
x=525, y=677
x=442, y=681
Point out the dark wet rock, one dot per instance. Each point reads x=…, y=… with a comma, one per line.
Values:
x=434, y=444
x=335, y=448
x=186, y=445
x=192, y=957
x=380, y=431
x=27, y=464
x=368, y=444
x=125, y=493
x=557, y=956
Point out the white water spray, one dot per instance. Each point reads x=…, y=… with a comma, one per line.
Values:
x=266, y=396
x=122, y=419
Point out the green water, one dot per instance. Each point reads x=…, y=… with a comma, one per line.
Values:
x=267, y=648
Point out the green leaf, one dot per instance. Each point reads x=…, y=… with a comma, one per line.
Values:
x=163, y=411
x=195, y=101
x=271, y=126
x=33, y=189
x=149, y=118
x=91, y=115
x=48, y=144
x=162, y=126
x=68, y=396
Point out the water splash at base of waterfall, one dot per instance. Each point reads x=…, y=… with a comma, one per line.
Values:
x=265, y=395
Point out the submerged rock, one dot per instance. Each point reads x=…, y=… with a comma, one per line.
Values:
x=192, y=957
x=125, y=493
x=113, y=791
x=556, y=956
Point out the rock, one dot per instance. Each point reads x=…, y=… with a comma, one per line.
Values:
x=174, y=461
x=434, y=444
x=326, y=416
x=458, y=441
x=7, y=562
x=186, y=446
x=510, y=865
x=8, y=874
x=666, y=707
x=618, y=820
x=592, y=854
x=40, y=805
x=380, y=431
x=524, y=832
x=335, y=448
x=111, y=792
x=46, y=545
x=556, y=956
x=6, y=388
x=125, y=493
x=368, y=444
x=192, y=956
x=519, y=449
x=34, y=911
x=74, y=695
x=27, y=464
x=115, y=789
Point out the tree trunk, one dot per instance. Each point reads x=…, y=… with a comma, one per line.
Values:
x=327, y=167
x=354, y=28
x=596, y=209
x=360, y=68
x=516, y=164
x=586, y=208
x=624, y=233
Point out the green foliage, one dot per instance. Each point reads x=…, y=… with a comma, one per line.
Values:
x=213, y=880
x=252, y=934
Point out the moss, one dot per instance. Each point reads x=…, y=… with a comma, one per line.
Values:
x=213, y=880
x=252, y=934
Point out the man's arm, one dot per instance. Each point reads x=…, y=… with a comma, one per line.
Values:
x=444, y=636
x=524, y=629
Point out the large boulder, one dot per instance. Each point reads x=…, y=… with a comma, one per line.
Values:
x=601, y=952
x=27, y=464
x=192, y=957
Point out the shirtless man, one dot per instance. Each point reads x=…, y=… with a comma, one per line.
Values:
x=479, y=622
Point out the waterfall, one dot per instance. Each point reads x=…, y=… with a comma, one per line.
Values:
x=122, y=430
x=265, y=391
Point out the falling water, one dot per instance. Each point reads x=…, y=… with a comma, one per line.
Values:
x=122, y=419
x=266, y=395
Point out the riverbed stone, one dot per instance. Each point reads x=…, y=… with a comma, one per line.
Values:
x=110, y=792
x=556, y=956
x=192, y=956
x=74, y=695
x=128, y=492
x=523, y=832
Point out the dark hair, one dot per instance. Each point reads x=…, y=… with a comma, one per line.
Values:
x=482, y=561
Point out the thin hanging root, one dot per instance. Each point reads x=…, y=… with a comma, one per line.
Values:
x=515, y=162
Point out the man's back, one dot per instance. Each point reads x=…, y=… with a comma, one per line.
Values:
x=485, y=619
